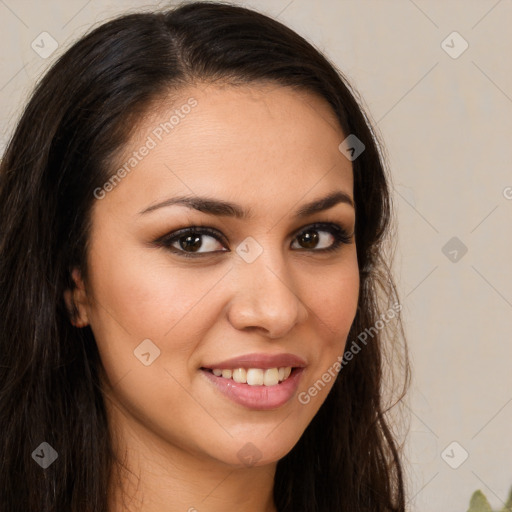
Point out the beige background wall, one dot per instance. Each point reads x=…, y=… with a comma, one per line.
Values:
x=447, y=124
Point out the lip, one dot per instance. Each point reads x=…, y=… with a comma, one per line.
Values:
x=257, y=397
x=263, y=361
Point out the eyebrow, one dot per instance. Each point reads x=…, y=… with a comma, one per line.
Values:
x=221, y=208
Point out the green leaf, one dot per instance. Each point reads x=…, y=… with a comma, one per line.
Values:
x=479, y=503
x=508, y=505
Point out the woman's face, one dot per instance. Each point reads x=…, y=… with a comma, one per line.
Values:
x=257, y=292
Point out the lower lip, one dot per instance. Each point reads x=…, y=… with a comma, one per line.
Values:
x=257, y=397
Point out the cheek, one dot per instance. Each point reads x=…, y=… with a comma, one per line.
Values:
x=150, y=295
x=139, y=295
x=335, y=299
x=332, y=310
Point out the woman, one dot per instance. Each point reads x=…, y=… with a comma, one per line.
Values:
x=193, y=210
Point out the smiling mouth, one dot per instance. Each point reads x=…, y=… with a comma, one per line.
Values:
x=254, y=376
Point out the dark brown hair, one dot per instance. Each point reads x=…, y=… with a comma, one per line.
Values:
x=80, y=115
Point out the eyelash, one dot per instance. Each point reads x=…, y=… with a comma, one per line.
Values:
x=340, y=234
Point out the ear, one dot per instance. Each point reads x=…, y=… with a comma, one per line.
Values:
x=76, y=301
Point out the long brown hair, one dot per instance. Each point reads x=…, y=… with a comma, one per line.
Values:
x=79, y=116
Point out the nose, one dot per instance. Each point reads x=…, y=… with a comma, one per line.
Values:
x=265, y=296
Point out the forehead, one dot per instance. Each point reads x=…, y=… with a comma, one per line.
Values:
x=249, y=118
x=259, y=141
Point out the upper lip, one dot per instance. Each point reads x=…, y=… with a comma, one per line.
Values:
x=263, y=361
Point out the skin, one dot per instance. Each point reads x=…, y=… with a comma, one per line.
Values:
x=264, y=147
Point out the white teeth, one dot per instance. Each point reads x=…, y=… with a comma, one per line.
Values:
x=240, y=376
x=255, y=376
x=271, y=377
x=227, y=374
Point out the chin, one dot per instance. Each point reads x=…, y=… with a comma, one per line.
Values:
x=257, y=452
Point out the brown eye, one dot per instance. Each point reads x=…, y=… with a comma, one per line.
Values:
x=309, y=239
x=314, y=236
x=190, y=242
